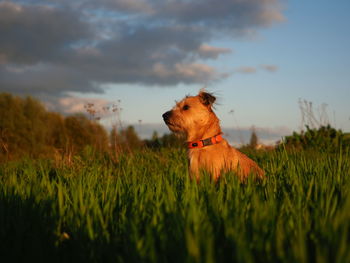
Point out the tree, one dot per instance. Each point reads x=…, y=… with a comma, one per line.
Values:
x=27, y=128
x=253, y=143
x=167, y=140
x=130, y=139
x=22, y=126
x=82, y=132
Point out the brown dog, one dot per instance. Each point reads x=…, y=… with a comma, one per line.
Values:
x=194, y=117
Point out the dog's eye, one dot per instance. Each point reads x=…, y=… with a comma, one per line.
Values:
x=186, y=107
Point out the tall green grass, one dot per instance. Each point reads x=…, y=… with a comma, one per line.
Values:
x=144, y=208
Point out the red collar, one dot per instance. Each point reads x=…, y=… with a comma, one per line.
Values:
x=202, y=143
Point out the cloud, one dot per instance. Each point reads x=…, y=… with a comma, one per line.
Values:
x=72, y=105
x=32, y=34
x=206, y=51
x=231, y=15
x=246, y=70
x=56, y=47
x=124, y=6
x=251, y=70
x=44, y=79
x=270, y=68
x=267, y=136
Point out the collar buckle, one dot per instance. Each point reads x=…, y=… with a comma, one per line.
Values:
x=206, y=142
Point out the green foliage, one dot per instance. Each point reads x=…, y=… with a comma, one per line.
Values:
x=253, y=142
x=324, y=138
x=166, y=141
x=28, y=129
x=140, y=206
x=82, y=132
x=130, y=138
x=22, y=123
x=125, y=139
x=144, y=208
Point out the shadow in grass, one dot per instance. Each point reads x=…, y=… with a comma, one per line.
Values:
x=27, y=230
x=28, y=233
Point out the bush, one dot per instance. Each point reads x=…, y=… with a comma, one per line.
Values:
x=325, y=138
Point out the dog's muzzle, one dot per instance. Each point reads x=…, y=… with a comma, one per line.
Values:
x=166, y=116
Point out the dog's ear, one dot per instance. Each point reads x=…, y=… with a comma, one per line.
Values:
x=206, y=98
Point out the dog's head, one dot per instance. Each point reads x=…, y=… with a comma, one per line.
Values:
x=193, y=112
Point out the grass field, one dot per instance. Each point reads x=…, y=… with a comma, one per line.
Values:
x=145, y=209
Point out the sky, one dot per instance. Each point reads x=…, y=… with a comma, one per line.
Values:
x=259, y=57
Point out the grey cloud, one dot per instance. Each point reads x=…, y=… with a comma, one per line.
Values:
x=129, y=6
x=207, y=51
x=225, y=14
x=45, y=79
x=138, y=56
x=31, y=34
x=55, y=47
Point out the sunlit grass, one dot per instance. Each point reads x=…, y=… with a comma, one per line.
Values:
x=144, y=208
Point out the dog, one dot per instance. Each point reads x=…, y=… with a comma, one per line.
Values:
x=207, y=149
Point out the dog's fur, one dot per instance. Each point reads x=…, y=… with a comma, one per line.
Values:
x=194, y=117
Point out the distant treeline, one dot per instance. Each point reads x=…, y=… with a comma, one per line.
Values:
x=323, y=138
x=28, y=129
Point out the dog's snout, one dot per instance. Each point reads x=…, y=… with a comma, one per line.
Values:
x=167, y=115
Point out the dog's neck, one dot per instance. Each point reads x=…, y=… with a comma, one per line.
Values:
x=204, y=132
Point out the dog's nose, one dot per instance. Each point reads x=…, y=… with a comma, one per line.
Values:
x=166, y=115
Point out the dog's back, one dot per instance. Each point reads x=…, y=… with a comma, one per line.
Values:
x=221, y=158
